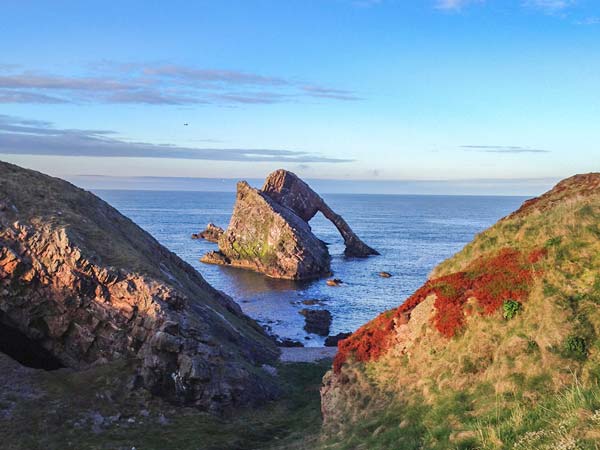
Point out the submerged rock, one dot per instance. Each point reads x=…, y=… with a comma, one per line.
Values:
x=317, y=321
x=334, y=282
x=212, y=233
x=385, y=274
x=86, y=285
x=269, y=231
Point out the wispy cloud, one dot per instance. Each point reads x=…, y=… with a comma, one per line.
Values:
x=31, y=137
x=502, y=149
x=454, y=5
x=550, y=6
x=158, y=84
x=336, y=94
x=588, y=21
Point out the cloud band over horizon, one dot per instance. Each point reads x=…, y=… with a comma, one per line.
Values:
x=33, y=137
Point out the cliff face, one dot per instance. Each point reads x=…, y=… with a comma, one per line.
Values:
x=269, y=231
x=511, y=318
x=267, y=237
x=84, y=285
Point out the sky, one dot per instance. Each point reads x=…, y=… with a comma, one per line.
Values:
x=423, y=96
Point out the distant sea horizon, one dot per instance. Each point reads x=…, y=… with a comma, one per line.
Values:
x=526, y=187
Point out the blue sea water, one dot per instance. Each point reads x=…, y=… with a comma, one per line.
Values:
x=412, y=233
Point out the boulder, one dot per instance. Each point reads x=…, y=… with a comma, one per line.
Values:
x=212, y=233
x=334, y=282
x=84, y=285
x=269, y=231
x=317, y=321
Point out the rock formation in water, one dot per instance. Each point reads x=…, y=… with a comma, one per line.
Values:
x=84, y=285
x=269, y=231
x=288, y=190
x=317, y=321
x=513, y=317
x=212, y=233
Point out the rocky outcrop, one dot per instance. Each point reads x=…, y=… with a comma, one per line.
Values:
x=289, y=190
x=212, y=233
x=269, y=231
x=86, y=285
x=316, y=321
x=267, y=237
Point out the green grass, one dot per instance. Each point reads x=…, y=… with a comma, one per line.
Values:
x=481, y=420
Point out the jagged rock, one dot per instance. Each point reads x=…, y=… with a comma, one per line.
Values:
x=285, y=342
x=212, y=233
x=287, y=189
x=269, y=231
x=332, y=341
x=85, y=284
x=317, y=321
x=267, y=237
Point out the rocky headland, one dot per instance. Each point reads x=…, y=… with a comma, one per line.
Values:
x=82, y=286
x=269, y=231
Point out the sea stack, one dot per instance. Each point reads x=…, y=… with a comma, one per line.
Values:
x=269, y=231
x=82, y=285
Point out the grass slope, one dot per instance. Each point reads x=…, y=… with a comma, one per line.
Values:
x=524, y=375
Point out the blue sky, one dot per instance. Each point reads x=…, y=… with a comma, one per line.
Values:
x=336, y=89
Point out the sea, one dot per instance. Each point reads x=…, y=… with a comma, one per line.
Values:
x=413, y=233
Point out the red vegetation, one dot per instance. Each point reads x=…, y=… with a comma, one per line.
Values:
x=491, y=280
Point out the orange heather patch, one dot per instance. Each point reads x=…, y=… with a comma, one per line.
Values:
x=491, y=280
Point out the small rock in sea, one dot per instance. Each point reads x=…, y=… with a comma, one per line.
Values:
x=334, y=282
x=311, y=302
x=212, y=233
x=332, y=341
x=385, y=274
x=289, y=343
x=317, y=321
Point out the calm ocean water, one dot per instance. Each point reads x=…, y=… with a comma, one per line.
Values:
x=412, y=233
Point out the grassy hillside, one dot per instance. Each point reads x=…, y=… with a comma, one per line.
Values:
x=499, y=349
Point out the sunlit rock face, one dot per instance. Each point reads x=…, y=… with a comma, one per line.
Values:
x=88, y=286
